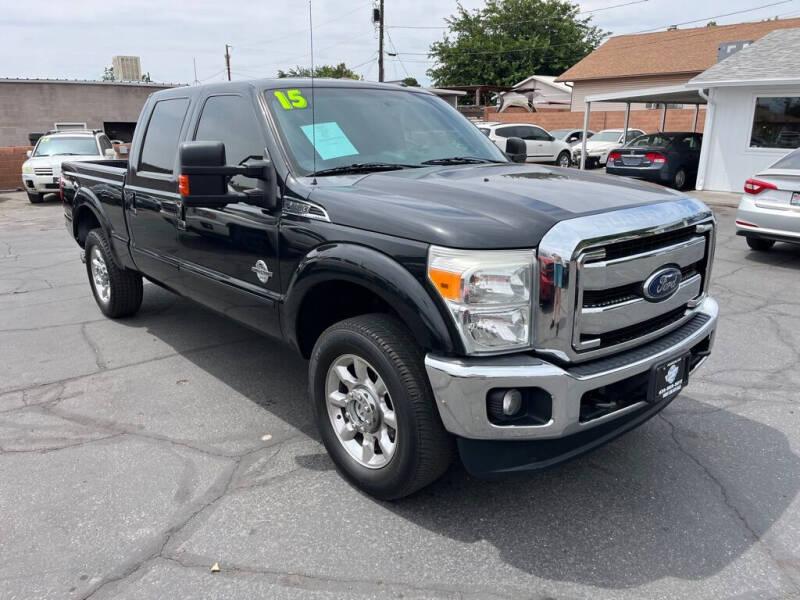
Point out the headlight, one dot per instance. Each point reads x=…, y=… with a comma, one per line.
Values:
x=488, y=293
x=27, y=168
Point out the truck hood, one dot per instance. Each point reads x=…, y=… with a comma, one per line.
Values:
x=485, y=206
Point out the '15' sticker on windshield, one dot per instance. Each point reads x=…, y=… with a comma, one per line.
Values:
x=291, y=99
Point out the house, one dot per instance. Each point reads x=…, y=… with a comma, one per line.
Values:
x=659, y=59
x=545, y=91
x=753, y=110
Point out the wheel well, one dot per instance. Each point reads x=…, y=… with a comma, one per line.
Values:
x=330, y=302
x=85, y=222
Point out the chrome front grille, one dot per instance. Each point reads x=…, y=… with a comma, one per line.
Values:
x=592, y=273
x=619, y=282
x=43, y=171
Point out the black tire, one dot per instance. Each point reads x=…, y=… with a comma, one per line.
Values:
x=759, y=243
x=424, y=449
x=679, y=179
x=35, y=198
x=125, y=286
x=565, y=157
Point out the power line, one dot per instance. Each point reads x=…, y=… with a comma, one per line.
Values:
x=539, y=20
x=548, y=46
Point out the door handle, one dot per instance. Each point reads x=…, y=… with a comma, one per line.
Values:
x=132, y=203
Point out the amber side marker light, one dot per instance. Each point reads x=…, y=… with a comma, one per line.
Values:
x=183, y=185
x=448, y=284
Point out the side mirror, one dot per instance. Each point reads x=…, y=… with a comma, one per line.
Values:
x=29, y=153
x=516, y=149
x=204, y=175
x=109, y=153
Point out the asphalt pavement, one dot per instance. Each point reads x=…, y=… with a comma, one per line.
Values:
x=136, y=454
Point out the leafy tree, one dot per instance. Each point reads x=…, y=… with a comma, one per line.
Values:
x=411, y=82
x=146, y=78
x=340, y=71
x=108, y=74
x=508, y=40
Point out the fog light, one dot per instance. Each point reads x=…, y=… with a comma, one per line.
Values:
x=512, y=401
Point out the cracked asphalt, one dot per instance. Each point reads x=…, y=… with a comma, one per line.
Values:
x=135, y=454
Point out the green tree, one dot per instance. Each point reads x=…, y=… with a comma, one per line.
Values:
x=411, y=82
x=108, y=74
x=508, y=40
x=340, y=71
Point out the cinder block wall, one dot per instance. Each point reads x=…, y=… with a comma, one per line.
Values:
x=679, y=119
x=11, y=159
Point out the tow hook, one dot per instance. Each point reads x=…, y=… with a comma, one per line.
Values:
x=83, y=255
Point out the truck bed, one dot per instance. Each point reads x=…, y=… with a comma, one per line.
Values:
x=106, y=169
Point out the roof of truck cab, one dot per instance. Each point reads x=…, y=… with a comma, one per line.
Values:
x=287, y=82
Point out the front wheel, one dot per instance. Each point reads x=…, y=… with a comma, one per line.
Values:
x=759, y=243
x=374, y=408
x=35, y=198
x=117, y=291
x=564, y=159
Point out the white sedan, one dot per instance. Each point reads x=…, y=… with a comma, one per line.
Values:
x=541, y=146
x=770, y=208
x=601, y=143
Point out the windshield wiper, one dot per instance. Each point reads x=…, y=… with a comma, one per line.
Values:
x=459, y=160
x=361, y=168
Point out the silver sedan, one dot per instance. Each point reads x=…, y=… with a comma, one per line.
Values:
x=770, y=208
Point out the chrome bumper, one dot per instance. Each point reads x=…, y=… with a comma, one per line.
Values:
x=460, y=385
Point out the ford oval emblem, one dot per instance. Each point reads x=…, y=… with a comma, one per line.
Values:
x=662, y=284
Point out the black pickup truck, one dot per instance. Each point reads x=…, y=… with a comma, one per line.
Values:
x=448, y=299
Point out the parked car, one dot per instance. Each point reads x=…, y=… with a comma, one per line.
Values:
x=541, y=146
x=431, y=286
x=666, y=158
x=571, y=136
x=601, y=143
x=770, y=208
x=41, y=172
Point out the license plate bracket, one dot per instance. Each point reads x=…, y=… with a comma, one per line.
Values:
x=667, y=379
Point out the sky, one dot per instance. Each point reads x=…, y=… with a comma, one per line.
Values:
x=76, y=39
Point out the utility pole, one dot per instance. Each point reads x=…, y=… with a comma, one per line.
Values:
x=194, y=62
x=228, y=60
x=380, y=42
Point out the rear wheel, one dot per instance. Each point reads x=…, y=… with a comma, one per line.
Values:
x=679, y=179
x=374, y=408
x=564, y=159
x=759, y=243
x=35, y=198
x=117, y=291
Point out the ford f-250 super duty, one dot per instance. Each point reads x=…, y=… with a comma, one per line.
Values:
x=447, y=297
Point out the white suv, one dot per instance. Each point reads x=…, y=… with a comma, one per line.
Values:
x=542, y=147
x=42, y=170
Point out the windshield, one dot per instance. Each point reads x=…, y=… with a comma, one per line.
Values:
x=560, y=133
x=607, y=136
x=790, y=161
x=366, y=126
x=654, y=140
x=63, y=145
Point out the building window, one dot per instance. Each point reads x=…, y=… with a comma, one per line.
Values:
x=659, y=105
x=776, y=123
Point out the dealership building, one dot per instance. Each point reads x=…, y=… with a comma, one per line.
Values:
x=34, y=106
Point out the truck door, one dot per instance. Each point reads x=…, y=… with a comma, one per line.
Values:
x=151, y=192
x=228, y=256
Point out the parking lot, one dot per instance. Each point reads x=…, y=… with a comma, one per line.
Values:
x=136, y=454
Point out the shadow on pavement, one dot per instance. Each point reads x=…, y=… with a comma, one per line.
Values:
x=638, y=510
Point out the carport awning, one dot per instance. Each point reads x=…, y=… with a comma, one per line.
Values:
x=676, y=94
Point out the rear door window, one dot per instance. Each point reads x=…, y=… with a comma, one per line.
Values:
x=160, y=146
x=790, y=161
x=507, y=132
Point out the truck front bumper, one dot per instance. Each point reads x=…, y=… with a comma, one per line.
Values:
x=461, y=387
x=42, y=184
